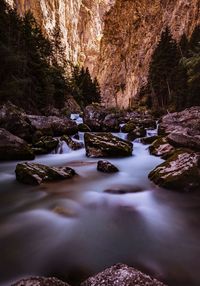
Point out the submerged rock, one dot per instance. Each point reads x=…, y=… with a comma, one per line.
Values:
x=53, y=125
x=35, y=174
x=16, y=121
x=40, y=281
x=71, y=143
x=180, y=172
x=106, y=145
x=13, y=147
x=121, y=275
x=161, y=148
x=106, y=167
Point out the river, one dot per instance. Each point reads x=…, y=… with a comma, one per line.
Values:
x=73, y=229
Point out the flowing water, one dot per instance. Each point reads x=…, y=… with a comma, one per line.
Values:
x=73, y=229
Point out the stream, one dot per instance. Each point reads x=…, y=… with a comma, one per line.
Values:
x=73, y=229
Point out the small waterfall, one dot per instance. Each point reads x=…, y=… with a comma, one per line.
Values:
x=77, y=118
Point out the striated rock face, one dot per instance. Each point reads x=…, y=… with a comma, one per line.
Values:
x=114, y=38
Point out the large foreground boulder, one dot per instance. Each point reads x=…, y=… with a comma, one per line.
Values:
x=180, y=172
x=53, y=125
x=121, y=275
x=106, y=145
x=40, y=281
x=13, y=147
x=15, y=120
x=35, y=174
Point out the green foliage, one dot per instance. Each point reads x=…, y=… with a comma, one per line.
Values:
x=86, y=90
x=33, y=68
x=174, y=74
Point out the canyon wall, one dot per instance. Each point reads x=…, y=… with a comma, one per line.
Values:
x=114, y=38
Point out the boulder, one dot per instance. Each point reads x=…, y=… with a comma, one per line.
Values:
x=45, y=145
x=128, y=127
x=121, y=275
x=161, y=148
x=180, y=172
x=106, y=145
x=94, y=116
x=16, y=121
x=123, y=189
x=40, y=281
x=83, y=128
x=138, y=132
x=185, y=138
x=111, y=123
x=106, y=167
x=35, y=174
x=71, y=143
x=53, y=125
x=13, y=147
x=148, y=140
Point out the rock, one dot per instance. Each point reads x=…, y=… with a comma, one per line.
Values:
x=106, y=145
x=40, y=281
x=182, y=128
x=111, y=123
x=53, y=125
x=161, y=148
x=121, y=275
x=45, y=144
x=184, y=139
x=70, y=106
x=148, y=140
x=106, y=167
x=180, y=172
x=123, y=189
x=35, y=174
x=83, y=128
x=128, y=127
x=138, y=132
x=15, y=120
x=94, y=116
x=71, y=143
x=13, y=147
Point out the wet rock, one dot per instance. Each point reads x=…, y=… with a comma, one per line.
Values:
x=13, y=147
x=161, y=148
x=71, y=143
x=15, y=120
x=45, y=145
x=83, y=128
x=121, y=190
x=111, y=123
x=106, y=167
x=53, y=125
x=40, y=281
x=128, y=127
x=149, y=140
x=94, y=116
x=35, y=174
x=70, y=106
x=180, y=172
x=121, y=275
x=138, y=132
x=106, y=145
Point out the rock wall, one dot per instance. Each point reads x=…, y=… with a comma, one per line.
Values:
x=114, y=38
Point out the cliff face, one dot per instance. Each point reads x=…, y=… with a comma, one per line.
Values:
x=114, y=38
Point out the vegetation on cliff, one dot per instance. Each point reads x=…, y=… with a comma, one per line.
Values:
x=174, y=73
x=31, y=73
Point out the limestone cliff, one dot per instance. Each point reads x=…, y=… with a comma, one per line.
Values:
x=114, y=38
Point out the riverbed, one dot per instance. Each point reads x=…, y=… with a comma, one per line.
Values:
x=73, y=229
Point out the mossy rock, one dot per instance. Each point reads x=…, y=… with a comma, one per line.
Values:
x=106, y=167
x=138, y=132
x=106, y=145
x=71, y=143
x=128, y=127
x=45, y=145
x=161, y=147
x=83, y=128
x=149, y=140
x=35, y=174
x=180, y=172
